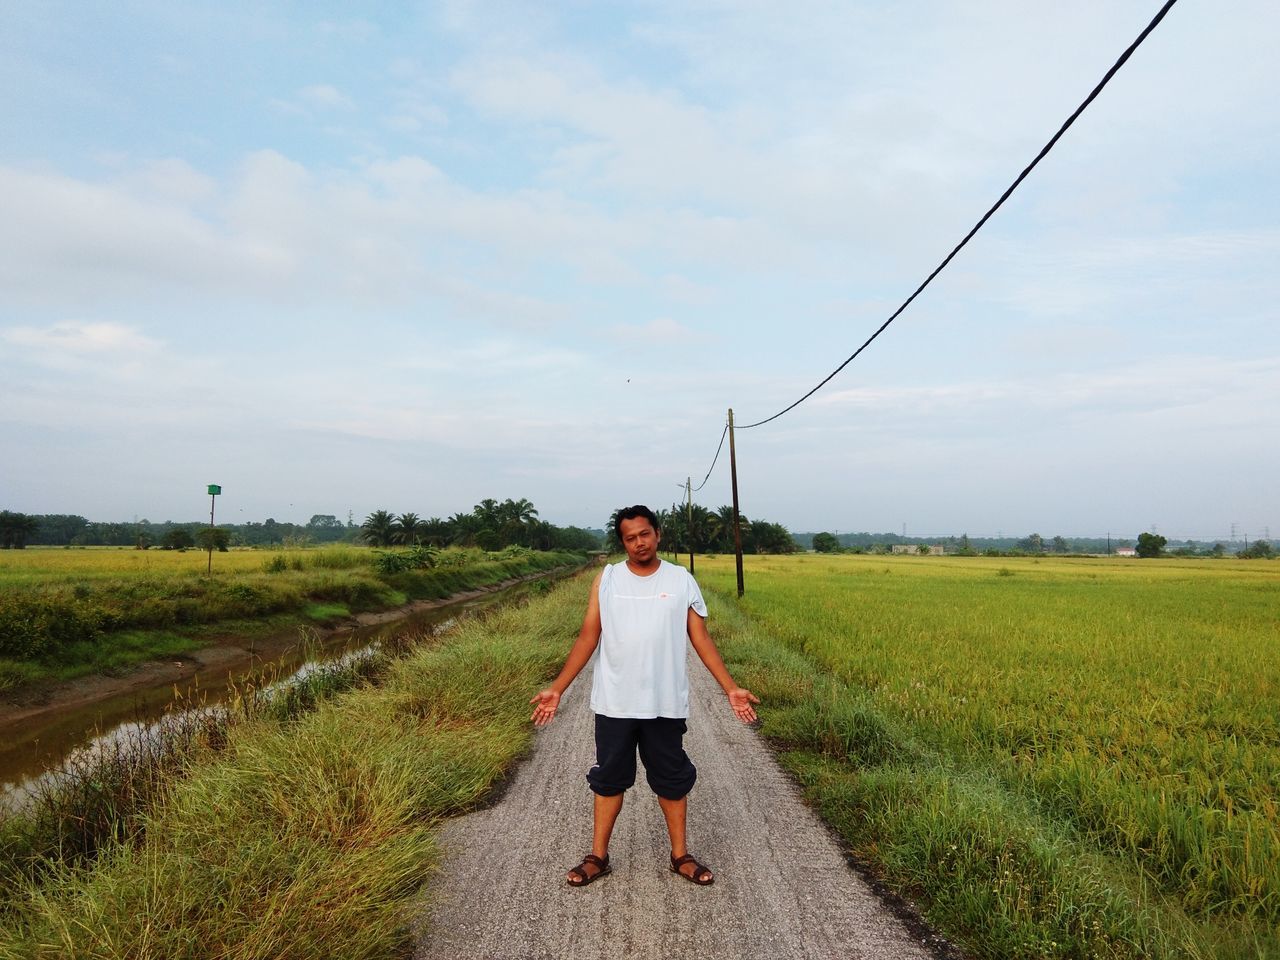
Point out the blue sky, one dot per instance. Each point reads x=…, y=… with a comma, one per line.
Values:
x=435, y=253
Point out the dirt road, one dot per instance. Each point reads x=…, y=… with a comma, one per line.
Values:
x=782, y=890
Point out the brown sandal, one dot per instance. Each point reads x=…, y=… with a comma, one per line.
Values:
x=601, y=865
x=701, y=875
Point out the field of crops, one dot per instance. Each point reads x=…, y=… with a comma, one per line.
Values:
x=55, y=565
x=64, y=613
x=1063, y=757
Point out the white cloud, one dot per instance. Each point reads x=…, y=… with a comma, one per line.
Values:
x=660, y=333
x=170, y=180
x=488, y=360
x=325, y=96
x=69, y=240
x=1192, y=393
x=286, y=107
x=353, y=29
x=80, y=338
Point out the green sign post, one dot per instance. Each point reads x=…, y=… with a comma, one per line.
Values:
x=214, y=490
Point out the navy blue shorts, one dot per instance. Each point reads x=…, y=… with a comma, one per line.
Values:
x=660, y=741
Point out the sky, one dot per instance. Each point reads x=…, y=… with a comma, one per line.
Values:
x=439, y=252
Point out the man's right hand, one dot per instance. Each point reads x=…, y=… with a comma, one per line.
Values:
x=547, y=701
x=741, y=700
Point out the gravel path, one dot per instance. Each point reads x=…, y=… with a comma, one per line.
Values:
x=783, y=888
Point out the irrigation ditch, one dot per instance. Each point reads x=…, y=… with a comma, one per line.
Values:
x=88, y=774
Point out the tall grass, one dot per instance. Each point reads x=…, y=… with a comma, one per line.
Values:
x=1073, y=758
x=305, y=835
x=104, y=791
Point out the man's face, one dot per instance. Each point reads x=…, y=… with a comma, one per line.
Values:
x=639, y=539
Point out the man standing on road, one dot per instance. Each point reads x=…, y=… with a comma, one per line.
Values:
x=639, y=615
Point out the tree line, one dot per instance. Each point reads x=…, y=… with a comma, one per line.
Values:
x=16, y=530
x=72, y=530
x=490, y=525
x=1146, y=545
x=710, y=531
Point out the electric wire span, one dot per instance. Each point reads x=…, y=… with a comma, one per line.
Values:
x=713, y=461
x=985, y=217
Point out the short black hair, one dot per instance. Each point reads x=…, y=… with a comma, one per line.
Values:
x=632, y=513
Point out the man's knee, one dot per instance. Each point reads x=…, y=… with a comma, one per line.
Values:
x=606, y=791
x=605, y=786
x=673, y=786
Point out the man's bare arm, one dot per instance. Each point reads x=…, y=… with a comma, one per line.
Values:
x=740, y=699
x=588, y=637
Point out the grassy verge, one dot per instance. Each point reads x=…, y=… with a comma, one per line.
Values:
x=300, y=833
x=75, y=624
x=962, y=822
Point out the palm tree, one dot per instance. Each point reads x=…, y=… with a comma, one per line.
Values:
x=488, y=512
x=611, y=541
x=515, y=521
x=675, y=528
x=436, y=532
x=408, y=528
x=703, y=529
x=378, y=528
x=464, y=527
x=537, y=535
x=516, y=511
x=725, y=517
x=664, y=524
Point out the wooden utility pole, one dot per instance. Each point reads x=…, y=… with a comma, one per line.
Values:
x=737, y=524
x=688, y=517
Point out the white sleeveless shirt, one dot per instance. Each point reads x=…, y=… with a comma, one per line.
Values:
x=640, y=661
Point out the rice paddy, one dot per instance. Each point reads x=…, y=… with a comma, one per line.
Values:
x=1110, y=727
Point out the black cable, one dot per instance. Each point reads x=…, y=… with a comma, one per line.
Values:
x=713, y=462
x=987, y=216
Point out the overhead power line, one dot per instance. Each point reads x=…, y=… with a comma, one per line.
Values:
x=713, y=462
x=987, y=216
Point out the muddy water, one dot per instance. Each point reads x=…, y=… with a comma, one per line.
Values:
x=45, y=742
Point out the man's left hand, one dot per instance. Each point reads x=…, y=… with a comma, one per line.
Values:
x=740, y=700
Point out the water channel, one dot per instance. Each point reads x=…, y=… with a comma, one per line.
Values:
x=29, y=749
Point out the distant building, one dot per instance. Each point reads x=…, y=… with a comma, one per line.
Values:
x=935, y=549
x=1125, y=552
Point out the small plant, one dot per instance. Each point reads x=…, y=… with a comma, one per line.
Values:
x=419, y=558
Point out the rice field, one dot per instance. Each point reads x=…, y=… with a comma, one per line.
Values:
x=65, y=613
x=1109, y=721
x=58, y=565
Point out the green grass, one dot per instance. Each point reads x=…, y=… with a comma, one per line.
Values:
x=326, y=611
x=1006, y=750
x=1068, y=759
x=67, y=613
x=300, y=833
